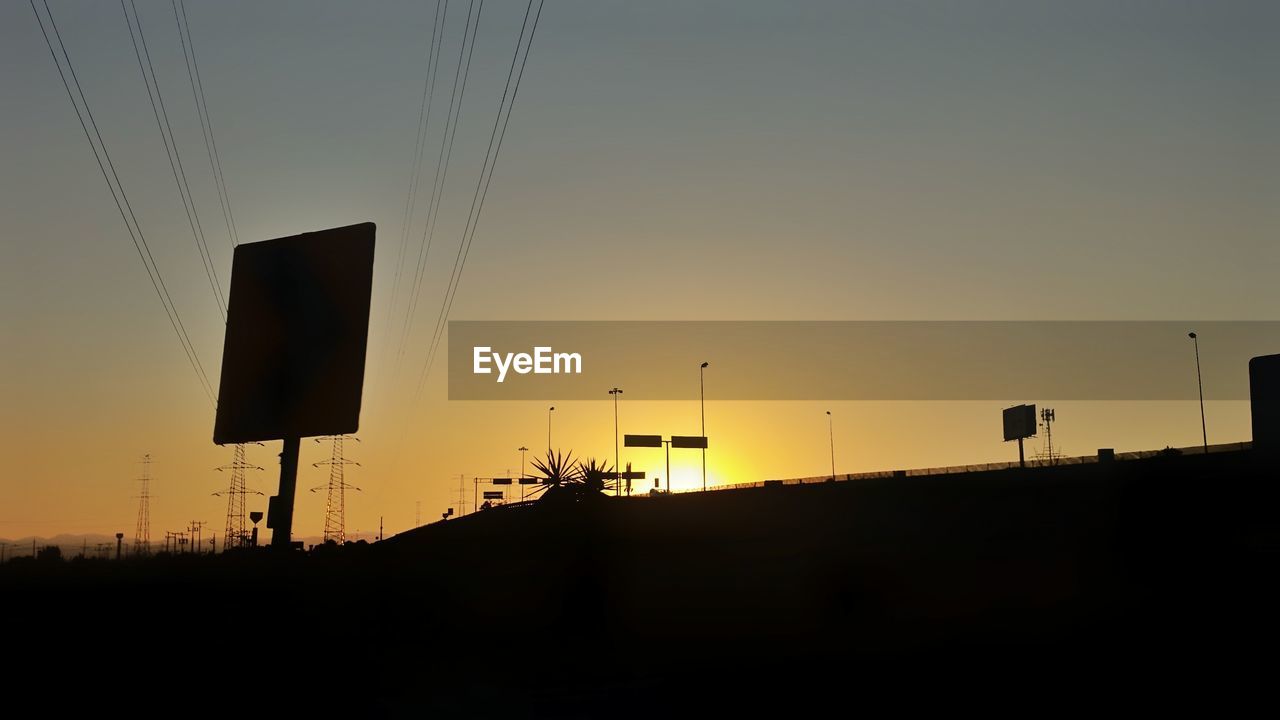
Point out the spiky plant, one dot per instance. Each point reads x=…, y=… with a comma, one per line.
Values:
x=593, y=475
x=556, y=469
x=564, y=478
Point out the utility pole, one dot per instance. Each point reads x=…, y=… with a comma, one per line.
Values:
x=197, y=532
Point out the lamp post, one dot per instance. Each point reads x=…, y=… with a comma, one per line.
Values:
x=522, y=450
x=549, y=411
x=831, y=434
x=1204, y=433
x=617, y=488
x=702, y=401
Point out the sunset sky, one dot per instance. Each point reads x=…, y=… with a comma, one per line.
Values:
x=886, y=160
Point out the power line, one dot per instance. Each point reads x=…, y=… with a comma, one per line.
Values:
x=478, y=197
x=206, y=124
x=171, y=151
x=411, y=201
x=442, y=166
x=120, y=198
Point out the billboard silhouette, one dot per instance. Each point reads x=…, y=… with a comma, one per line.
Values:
x=297, y=325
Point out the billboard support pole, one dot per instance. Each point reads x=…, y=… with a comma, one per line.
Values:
x=281, y=520
x=1022, y=460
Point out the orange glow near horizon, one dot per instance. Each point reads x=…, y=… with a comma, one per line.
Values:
x=891, y=161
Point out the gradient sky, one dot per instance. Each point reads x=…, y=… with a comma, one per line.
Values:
x=666, y=160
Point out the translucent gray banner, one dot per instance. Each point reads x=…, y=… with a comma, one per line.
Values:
x=855, y=360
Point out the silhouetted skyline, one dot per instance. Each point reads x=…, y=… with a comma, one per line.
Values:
x=748, y=161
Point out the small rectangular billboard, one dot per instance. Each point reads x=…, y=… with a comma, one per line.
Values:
x=1019, y=422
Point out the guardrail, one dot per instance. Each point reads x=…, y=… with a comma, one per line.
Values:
x=980, y=467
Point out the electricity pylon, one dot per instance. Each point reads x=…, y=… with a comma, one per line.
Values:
x=335, y=509
x=236, y=535
x=142, y=534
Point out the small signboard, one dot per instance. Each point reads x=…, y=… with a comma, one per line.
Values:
x=689, y=441
x=501, y=481
x=642, y=440
x=530, y=480
x=492, y=494
x=1019, y=422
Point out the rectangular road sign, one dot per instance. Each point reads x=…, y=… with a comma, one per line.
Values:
x=501, y=481
x=628, y=475
x=530, y=481
x=492, y=494
x=297, y=324
x=642, y=440
x=689, y=441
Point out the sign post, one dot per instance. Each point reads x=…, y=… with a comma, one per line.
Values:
x=1019, y=423
x=293, y=359
x=280, y=517
x=679, y=441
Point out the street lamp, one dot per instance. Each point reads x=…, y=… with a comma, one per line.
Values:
x=617, y=488
x=702, y=400
x=1204, y=433
x=522, y=450
x=831, y=433
x=549, y=411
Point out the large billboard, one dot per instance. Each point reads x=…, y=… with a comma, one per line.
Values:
x=297, y=325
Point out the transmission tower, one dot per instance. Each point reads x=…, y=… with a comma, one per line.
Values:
x=236, y=535
x=335, y=509
x=1047, y=417
x=142, y=535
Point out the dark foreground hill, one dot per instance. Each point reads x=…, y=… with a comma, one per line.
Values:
x=1153, y=580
